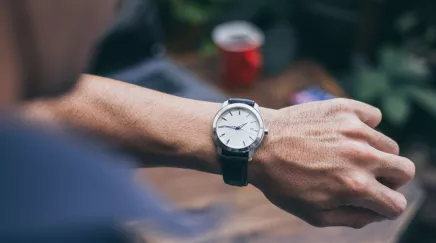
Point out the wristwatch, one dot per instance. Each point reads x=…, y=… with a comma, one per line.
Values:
x=238, y=130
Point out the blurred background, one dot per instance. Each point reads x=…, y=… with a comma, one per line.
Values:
x=382, y=52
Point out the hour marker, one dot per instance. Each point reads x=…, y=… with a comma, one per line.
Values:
x=224, y=118
x=247, y=115
x=230, y=113
x=228, y=141
x=254, y=129
x=251, y=138
x=239, y=112
x=253, y=122
x=243, y=143
x=222, y=134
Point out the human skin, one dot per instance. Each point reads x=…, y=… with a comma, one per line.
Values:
x=322, y=161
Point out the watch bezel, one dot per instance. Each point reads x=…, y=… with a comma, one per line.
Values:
x=259, y=136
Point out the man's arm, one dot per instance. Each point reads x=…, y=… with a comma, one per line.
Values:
x=161, y=129
x=322, y=161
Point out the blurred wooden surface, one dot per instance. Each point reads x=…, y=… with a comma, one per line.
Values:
x=253, y=218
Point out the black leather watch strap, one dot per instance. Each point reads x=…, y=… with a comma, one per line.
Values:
x=234, y=168
x=234, y=164
x=243, y=101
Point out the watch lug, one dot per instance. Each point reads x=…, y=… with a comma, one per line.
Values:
x=250, y=154
x=226, y=103
x=219, y=151
x=256, y=106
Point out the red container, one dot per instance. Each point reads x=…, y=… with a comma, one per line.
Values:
x=241, y=59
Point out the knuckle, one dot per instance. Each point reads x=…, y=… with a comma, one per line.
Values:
x=352, y=127
x=378, y=112
x=350, y=150
x=395, y=146
x=357, y=150
x=341, y=105
x=355, y=184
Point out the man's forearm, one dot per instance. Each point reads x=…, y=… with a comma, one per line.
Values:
x=163, y=130
x=322, y=161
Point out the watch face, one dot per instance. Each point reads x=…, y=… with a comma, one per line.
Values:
x=238, y=128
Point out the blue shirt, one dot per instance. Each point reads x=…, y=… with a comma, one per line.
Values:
x=63, y=189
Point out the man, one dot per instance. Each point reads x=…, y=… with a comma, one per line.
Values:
x=323, y=162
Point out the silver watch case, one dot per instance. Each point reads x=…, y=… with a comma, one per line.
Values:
x=259, y=137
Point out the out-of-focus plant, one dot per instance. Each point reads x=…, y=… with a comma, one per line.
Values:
x=196, y=19
x=193, y=18
x=418, y=32
x=196, y=12
x=400, y=80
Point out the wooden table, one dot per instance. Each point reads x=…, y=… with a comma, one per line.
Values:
x=255, y=219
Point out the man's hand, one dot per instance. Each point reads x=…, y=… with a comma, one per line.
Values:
x=325, y=163
x=322, y=161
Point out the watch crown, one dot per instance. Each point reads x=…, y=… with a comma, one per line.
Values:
x=266, y=132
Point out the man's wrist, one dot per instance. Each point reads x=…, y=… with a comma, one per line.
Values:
x=199, y=148
x=202, y=150
x=261, y=158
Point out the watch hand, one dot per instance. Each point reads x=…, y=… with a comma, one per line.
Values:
x=241, y=126
x=232, y=127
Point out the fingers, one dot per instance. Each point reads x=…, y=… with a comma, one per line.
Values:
x=382, y=142
x=368, y=114
x=370, y=188
x=354, y=128
x=381, y=199
x=381, y=157
x=394, y=171
x=347, y=216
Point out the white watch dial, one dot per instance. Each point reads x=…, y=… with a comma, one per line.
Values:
x=237, y=128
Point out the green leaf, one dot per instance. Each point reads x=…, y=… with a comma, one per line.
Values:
x=391, y=59
x=406, y=22
x=396, y=109
x=424, y=97
x=191, y=12
x=401, y=68
x=208, y=48
x=370, y=85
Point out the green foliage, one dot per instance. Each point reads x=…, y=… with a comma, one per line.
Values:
x=207, y=48
x=425, y=98
x=407, y=22
x=396, y=108
x=202, y=15
x=399, y=81
x=418, y=30
x=196, y=12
